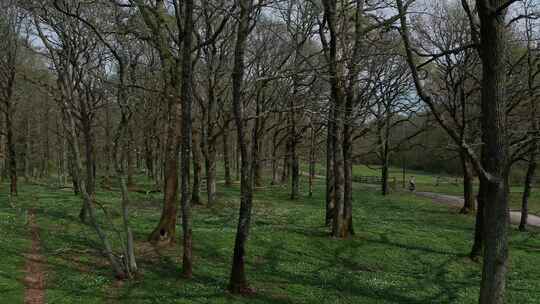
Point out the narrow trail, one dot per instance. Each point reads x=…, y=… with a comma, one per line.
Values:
x=451, y=200
x=34, y=279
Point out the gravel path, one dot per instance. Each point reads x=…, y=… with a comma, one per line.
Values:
x=515, y=216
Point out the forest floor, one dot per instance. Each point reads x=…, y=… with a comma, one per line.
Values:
x=406, y=250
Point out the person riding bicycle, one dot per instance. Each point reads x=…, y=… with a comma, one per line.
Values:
x=412, y=184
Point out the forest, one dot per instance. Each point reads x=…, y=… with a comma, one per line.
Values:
x=269, y=151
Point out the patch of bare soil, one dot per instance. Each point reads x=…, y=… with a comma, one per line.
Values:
x=34, y=280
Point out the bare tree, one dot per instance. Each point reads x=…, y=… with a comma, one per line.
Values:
x=238, y=281
x=10, y=29
x=495, y=162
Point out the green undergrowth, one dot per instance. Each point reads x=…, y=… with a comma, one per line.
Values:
x=14, y=243
x=406, y=250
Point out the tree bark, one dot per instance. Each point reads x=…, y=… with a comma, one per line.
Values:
x=496, y=163
x=468, y=191
x=130, y=264
x=187, y=95
x=295, y=166
x=130, y=161
x=78, y=168
x=312, y=161
x=383, y=129
x=107, y=151
x=89, y=154
x=286, y=163
x=209, y=145
x=237, y=162
x=531, y=169
x=12, y=155
x=27, y=150
x=275, y=149
x=348, y=166
x=46, y=146
x=75, y=178
x=165, y=231
x=197, y=168
x=330, y=202
x=149, y=156
x=258, y=164
x=210, y=166
x=226, y=155
x=478, y=243
x=238, y=282
x=340, y=227
x=533, y=148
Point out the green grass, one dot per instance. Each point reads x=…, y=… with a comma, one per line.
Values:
x=516, y=194
x=426, y=182
x=14, y=242
x=406, y=250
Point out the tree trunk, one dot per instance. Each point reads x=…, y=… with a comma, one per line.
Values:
x=330, y=202
x=384, y=138
x=210, y=166
x=149, y=157
x=209, y=146
x=258, y=164
x=107, y=151
x=237, y=161
x=27, y=149
x=2, y=149
x=197, y=168
x=295, y=167
x=531, y=169
x=130, y=264
x=165, y=232
x=496, y=163
x=478, y=243
x=311, y=162
x=238, y=282
x=71, y=167
x=130, y=162
x=77, y=170
x=295, y=172
x=384, y=176
x=348, y=165
x=226, y=154
x=275, y=149
x=286, y=163
x=46, y=146
x=12, y=156
x=340, y=227
x=187, y=258
x=468, y=191
x=89, y=154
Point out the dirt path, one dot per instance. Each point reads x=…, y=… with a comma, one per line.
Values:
x=34, y=279
x=515, y=216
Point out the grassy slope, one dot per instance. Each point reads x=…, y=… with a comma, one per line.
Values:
x=406, y=250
